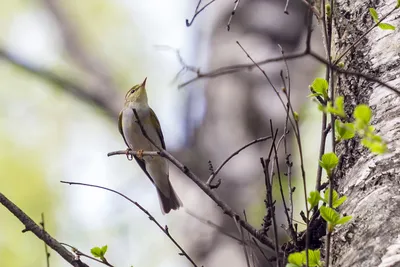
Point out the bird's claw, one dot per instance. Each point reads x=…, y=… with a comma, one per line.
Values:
x=129, y=156
x=140, y=154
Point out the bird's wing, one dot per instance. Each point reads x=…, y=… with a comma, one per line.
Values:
x=120, y=128
x=156, y=124
x=140, y=162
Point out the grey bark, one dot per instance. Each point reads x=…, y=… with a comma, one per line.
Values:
x=370, y=182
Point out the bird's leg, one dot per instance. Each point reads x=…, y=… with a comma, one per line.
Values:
x=128, y=154
x=139, y=154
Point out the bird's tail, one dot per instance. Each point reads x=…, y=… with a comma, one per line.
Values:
x=169, y=203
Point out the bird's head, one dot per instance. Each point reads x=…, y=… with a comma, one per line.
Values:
x=137, y=94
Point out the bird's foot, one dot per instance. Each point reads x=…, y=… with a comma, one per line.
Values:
x=128, y=154
x=140, y=154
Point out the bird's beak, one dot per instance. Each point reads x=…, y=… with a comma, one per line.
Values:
x=144, y=82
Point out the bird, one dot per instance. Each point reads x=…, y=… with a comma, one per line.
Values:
x=155, y=167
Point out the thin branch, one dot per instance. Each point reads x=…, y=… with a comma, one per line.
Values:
x=228, y=26
x=246, y=254
x=214, y=174
x=197, y=12
x=75, y=48
x=270, y=203
x=151, y=217
x=352, y=73
x=237, y=68
x=91, y=97
x=80, y=253
x=219, y=228
x=31, y=226
x=134, y=153
x=45, y=245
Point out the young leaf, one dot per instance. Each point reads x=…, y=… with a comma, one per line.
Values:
x=335, y=195
x=374, y=14
x=362, y=114
x=104, y=250
x=386, y=26
x=343, y=220
x=339, y=202
x=314, y=199
x=314, y=258
x=339, y=105
x=320, y=87
x=329, y=215
x=328, y=162
x=296, y=258
x=96, y=252
x=344, y=131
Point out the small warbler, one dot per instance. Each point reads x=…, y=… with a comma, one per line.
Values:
x=155, y=167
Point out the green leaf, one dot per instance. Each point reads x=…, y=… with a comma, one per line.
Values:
x=329, y=215
x=328, y=162
x=374, y=14
x=314, y=258
x=104, y=250
x=343, y=220
x=344, y=131
x=296, y=258
x=296, y=116
x=335, y=195
x=386, y=26
x=398, y=4
x=336, y=201
x=339, y=202
x=96, y=252
x=362, y=113
x=314, y=199
x=339, y=105
x=293, y=265
x=320, y=87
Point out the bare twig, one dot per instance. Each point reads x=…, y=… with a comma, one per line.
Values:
x=214, y=174
x=151, y=217
x=270, y=202
x=45, y=245
x=237, y=68
x=240, y=229
x=228, y=26
x=31, y=226
x=197, y=12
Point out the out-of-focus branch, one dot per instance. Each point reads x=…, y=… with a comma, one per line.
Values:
x=75, y=49
x=30, y=225
x=111, y=108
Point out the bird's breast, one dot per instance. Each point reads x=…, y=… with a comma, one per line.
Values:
x=134, y=135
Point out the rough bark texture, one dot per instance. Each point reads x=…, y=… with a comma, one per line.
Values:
x=370, y=182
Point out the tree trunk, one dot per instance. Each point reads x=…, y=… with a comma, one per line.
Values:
x=370, y=182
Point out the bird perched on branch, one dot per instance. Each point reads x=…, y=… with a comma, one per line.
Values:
x=155, y=167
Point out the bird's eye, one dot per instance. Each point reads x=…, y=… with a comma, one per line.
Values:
x=132, y=90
